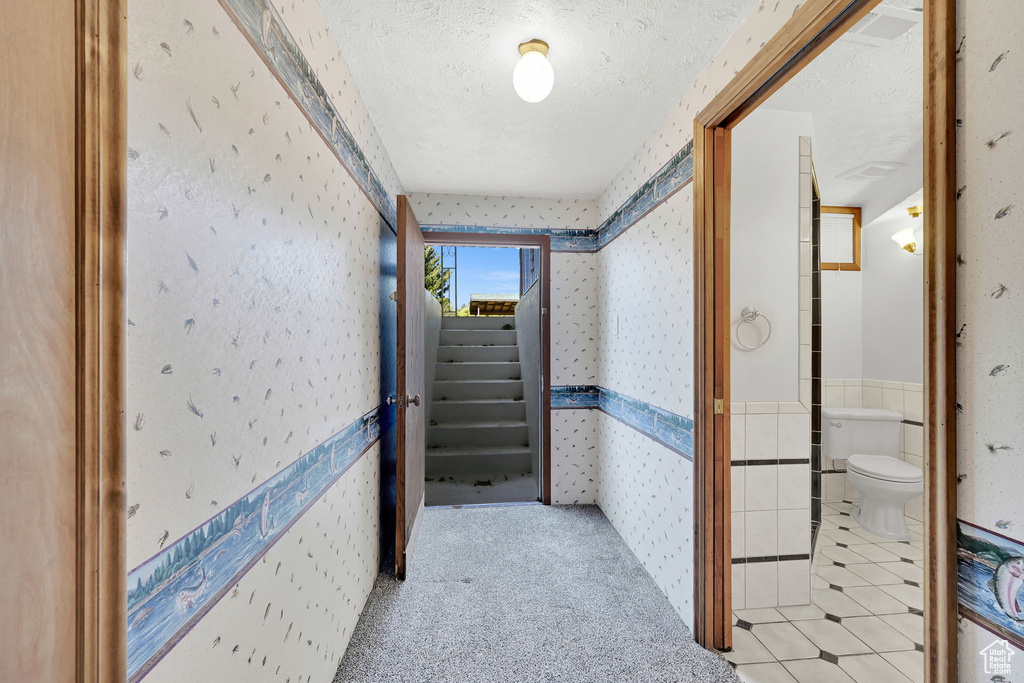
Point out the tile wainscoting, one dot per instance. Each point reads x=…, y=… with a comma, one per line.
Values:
x=906, y=398
x=771, y=504
x=774, y=497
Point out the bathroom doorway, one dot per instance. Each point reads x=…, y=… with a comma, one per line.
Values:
x=802, y=48
x=487, y=369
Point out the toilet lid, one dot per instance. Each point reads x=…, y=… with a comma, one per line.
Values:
x=884, y=467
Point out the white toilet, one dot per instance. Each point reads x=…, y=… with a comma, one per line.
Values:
x=868, y=440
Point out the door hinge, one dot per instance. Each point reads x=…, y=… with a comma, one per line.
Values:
x=719, y=406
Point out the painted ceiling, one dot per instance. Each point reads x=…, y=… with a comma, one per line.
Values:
x=866, y=103
x=436, y=76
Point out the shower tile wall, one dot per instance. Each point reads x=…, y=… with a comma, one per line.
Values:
x=906, y=398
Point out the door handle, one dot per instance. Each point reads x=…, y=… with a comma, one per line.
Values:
x=413, y=400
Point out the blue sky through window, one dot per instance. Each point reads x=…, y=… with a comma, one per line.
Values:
x=487, y=270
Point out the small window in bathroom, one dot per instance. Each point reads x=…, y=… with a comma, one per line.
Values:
x=840, y=238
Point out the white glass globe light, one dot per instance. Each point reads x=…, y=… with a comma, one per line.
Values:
x=533, y=77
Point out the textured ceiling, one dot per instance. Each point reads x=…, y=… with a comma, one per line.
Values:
x=436, y=76
x=867, y=105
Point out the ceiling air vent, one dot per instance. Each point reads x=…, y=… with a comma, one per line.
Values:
x=883, y=25
x=872, y=170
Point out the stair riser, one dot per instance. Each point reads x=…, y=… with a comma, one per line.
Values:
x=477, y=371
x=478, y=337
x=477, y=354
x=459, y=437
x=482, y=466
x=477, y=323
x=476, y=391
x=443, y=411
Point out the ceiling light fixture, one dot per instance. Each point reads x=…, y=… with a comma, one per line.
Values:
x=533, y=76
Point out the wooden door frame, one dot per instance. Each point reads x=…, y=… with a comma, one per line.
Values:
x=483, y=239
x=812, y=28
x=101, y=153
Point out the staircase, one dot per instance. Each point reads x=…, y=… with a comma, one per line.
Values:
x=478, y=417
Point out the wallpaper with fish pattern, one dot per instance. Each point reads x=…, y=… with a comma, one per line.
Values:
x=253, y=335
x=645, y=328
x=990, y=331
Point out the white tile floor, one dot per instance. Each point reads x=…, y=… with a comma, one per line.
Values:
x=864, y=623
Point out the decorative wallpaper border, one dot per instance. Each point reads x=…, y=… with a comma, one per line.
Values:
x=571, y=241
x=266, y=31
x=990, y=576
x=669, y=179
x=670, y=430
x=170, y=592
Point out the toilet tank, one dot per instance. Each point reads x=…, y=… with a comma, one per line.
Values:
x=872, y=431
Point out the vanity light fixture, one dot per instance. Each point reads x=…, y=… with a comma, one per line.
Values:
x=907, y=238
x=533, y=76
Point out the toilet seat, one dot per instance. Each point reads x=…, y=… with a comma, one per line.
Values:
x=884, y=468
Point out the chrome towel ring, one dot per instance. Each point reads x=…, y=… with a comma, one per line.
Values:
x=750, y=315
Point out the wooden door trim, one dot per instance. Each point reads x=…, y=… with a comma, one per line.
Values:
x=101, y=153
x=940, y=569
x=814, y=26
x=482, y=239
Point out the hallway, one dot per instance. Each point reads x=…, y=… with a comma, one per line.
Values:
x=523, y=593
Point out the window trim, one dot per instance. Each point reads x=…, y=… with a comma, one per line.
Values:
x=855, y=210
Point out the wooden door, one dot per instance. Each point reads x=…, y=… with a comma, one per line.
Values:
x=411, y=440
x=62, y=322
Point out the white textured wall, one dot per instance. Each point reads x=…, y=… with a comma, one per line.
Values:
x=893, y=309
x=990, y=353
x=253, y=295
x=646, y=491
x=873, y=319
x=765, y=241
x=645, y=313
x=842, y=351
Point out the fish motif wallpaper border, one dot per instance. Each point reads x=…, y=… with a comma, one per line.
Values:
x=990, y=575
x=670, y=430
x=266, y=31
x=670, y=178
x=571, y=241
x=171, y=591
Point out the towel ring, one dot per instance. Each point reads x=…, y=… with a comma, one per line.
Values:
x=750, y=315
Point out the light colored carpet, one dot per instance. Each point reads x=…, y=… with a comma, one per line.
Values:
x=527, y=593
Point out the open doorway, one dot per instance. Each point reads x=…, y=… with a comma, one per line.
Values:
x=917, y=586
x=485, y=338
